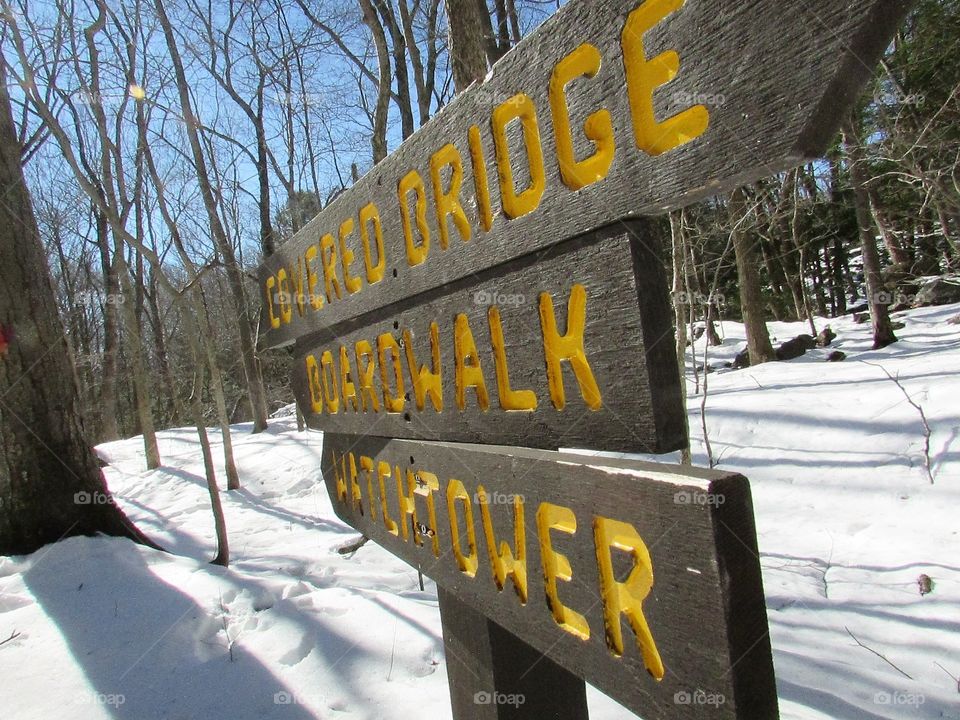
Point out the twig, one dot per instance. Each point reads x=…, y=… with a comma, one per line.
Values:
x=952, y=676
x=393, y=649
x=226, y=628
x=827, y=567
x=351, y=548
x=923, y=419
x=703, y=397
x=876, y=653
x=13, y=636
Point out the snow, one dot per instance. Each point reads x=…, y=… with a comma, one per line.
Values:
x=847, y=520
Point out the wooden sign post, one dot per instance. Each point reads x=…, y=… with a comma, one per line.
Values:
x=494, y=281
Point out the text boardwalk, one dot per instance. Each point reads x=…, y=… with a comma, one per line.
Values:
x=571, y=347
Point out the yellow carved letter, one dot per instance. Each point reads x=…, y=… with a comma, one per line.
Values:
x=314, y=384
x=270, y=284
x=347, y=386
x=646, y=75
x=468, y=563
x=328, y=258
x=365, y=370
x=416, y=254
x=427, y=485
x=468, y=370
x=519, y=106
x=426, y=381
x=352, y=284
x=509, y=399
x=626, y=597
x=369, y=215
x=557, y=348
x=316, y=299
x=502, y=561
x=331, y=393
x=386, y=342
x=448, y=203
x=383, y=471
x=556, y=566
x=582, y=62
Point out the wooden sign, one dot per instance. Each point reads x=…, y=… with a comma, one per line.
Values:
x=640, y=578
x=572, y=347
x=481, y=284
x=610, y=108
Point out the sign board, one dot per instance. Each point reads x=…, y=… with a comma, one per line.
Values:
x=570, y=347
x=482, y=284
x=611, y=108
x=641, y=578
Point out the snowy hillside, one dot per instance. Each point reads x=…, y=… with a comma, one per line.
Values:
x=847, y=523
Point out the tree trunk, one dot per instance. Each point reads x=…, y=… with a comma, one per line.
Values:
x=141, y=382
x=109, y=427
x=174, y=410
x=680, y=301
x=220, y=524
x=216, y=388
x=50, y=484
x=898, y=254
x=468, y=45
x=378, y=141
x=879, y=310
x=751, y=300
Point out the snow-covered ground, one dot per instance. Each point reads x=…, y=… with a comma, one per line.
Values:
x=847, y=522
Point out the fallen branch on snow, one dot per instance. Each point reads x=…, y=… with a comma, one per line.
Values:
x=882, y=657
x=351, y=548
x=923, y=419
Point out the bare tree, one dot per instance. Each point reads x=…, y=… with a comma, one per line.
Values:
x=883, y=334
x=751, y=302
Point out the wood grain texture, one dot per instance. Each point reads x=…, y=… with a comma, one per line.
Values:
x=775, y=77
x=627, y=339
x=705, y=612
x=494, y=675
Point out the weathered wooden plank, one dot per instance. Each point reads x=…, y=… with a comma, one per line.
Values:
x=494, y=675
x=619, y=389
x=561, y=549
x=759, y=86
